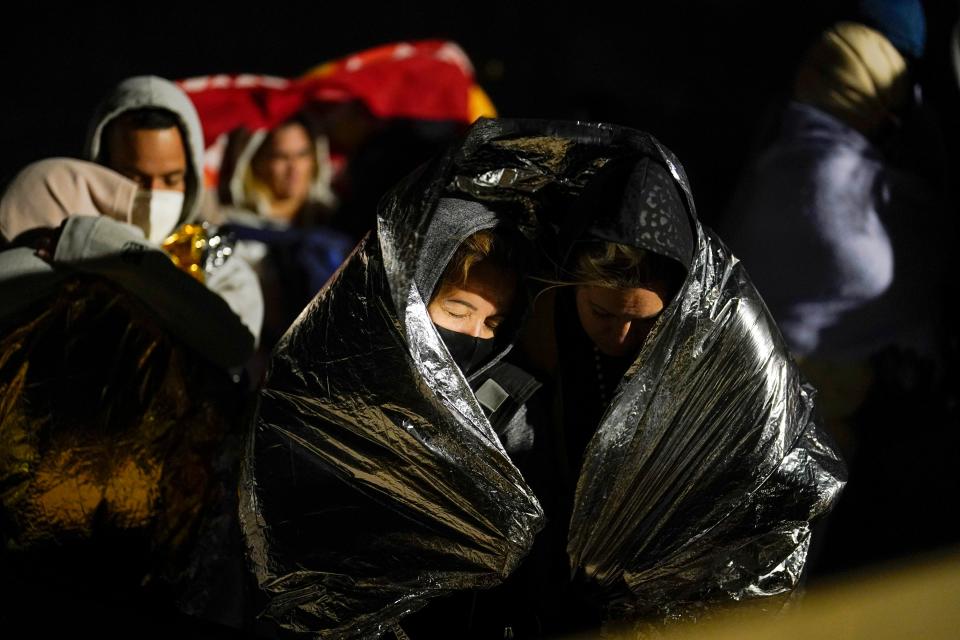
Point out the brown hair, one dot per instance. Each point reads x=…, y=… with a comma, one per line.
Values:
x=476, y=248
x=618, y=266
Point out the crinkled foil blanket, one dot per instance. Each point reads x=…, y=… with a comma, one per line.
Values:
x=373, y=481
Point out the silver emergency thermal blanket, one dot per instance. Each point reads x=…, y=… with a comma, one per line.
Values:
x=373, y=481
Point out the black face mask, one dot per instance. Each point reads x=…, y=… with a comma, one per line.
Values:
x=468, y=352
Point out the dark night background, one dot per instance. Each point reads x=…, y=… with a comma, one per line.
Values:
x=700, y=75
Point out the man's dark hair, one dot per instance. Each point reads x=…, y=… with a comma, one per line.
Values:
x=148, y=118
x=145, y=118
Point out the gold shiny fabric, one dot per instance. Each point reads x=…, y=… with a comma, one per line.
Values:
x=107, y=428
x=187, y=246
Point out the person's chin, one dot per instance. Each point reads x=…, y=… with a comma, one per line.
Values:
x=613, y=352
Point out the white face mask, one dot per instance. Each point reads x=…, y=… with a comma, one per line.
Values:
x=157, y=212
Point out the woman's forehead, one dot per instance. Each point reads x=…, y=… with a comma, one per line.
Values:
x=635, y=301
x=493, y=284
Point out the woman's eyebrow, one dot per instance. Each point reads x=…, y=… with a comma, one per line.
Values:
x=463, y=302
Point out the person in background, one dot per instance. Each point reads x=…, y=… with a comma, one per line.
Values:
x=842, y=221
x=823, y=196
x=282, y=175
x=276, y=200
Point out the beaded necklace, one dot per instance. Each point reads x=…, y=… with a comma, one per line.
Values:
x=601, y=382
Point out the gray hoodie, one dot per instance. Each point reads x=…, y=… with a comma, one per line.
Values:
x=151, y=92
x=92, y=208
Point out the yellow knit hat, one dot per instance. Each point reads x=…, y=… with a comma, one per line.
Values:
x=855, y=74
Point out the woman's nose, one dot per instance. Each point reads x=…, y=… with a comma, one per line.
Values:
x=620, y=332
x=476, y=330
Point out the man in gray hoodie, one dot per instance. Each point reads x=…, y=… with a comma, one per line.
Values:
x=147, y=129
